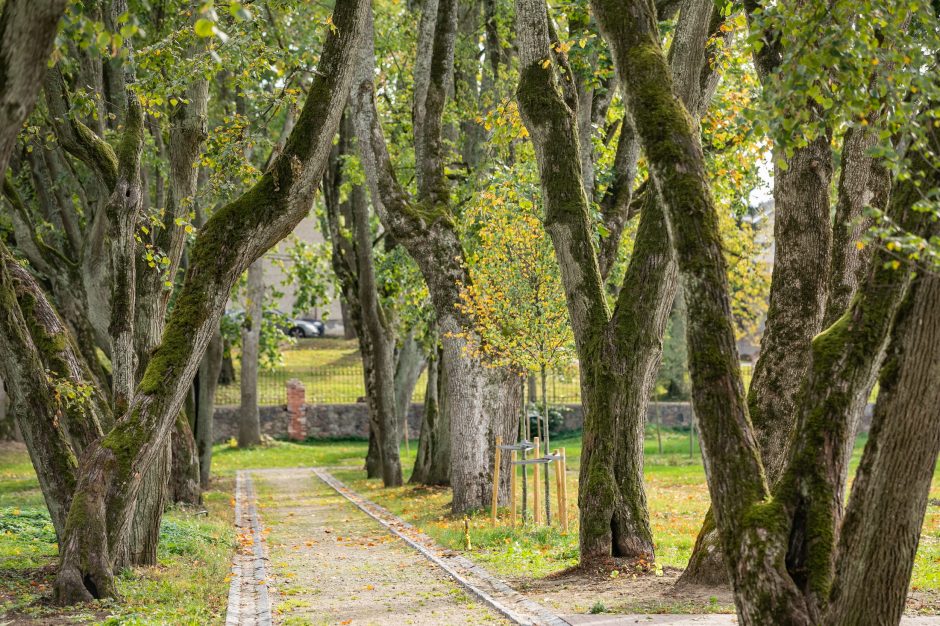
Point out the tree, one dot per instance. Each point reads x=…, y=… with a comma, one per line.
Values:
x=619, y=350
x=478, y=402
x=818, y=261
x=108, y=478
x=373, y=311
x=515, y=297
x=249, y=426
x=780, y=545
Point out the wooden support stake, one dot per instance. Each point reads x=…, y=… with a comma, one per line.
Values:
x=536, y=507
x=558, y=478
x=499, y=442
x=564, y=492
x=512, y=485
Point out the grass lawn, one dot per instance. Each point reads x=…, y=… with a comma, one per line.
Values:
x=191, y=583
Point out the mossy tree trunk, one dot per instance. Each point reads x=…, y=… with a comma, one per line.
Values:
x=34, y=341
x=669, y=139
x=883, y=523
x=237, y=234
x=619, y=351
x=779, y=546
x=817, y=267
x=424, y=226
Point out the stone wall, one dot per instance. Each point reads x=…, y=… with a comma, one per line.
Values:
x=323, y=421
x=351, y=421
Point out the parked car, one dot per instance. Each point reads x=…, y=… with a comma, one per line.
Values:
x=301, y=328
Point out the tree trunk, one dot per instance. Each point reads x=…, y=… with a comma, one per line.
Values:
x=502, y=403
x=7, y=423
x=432, y=463
x=384, y=419
x=184, y=484
x=249, y=421
x=798, y=291
x=425, y=227
x=409, y=364
x=883, y=523
x=858, y=184
x=138, y=546
x=27, y=33
x=206, y=384
x=465, y=382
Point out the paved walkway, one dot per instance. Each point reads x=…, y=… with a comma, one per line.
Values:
x=329, y=563
x=325, y=555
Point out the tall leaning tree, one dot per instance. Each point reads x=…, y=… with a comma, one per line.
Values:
x=479, y=403
x=785, y=555
x=819, y=256
x=95, y=490
x=619, y=350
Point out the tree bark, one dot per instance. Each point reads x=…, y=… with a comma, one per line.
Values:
x=184, y=483
x=236, y=236
x=425, y=227
x=863, y=181
x=409, y=363
x=249, y=424
x=206, y=383
x=883, y=524
x=432, y=463
x=27, y=33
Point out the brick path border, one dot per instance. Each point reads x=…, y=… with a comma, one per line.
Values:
x=248, y=601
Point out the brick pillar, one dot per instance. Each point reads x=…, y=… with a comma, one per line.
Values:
x=296, y=398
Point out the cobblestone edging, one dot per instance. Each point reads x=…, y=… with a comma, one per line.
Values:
x=492, y=591
x=248, y=601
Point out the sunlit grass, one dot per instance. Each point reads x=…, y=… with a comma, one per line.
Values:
x=189, y=586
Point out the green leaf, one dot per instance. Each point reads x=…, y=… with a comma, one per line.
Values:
x=204, y=27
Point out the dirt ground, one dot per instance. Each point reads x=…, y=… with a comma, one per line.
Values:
x=622, y=587
x=331, y=564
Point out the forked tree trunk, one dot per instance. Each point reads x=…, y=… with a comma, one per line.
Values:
x=425, y=227
x=30, y=350
x=619, y=351
x=249, y=421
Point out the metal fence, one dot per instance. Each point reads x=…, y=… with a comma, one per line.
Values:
x=344, y=384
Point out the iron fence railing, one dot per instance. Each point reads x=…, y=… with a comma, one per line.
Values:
x=344, y=384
